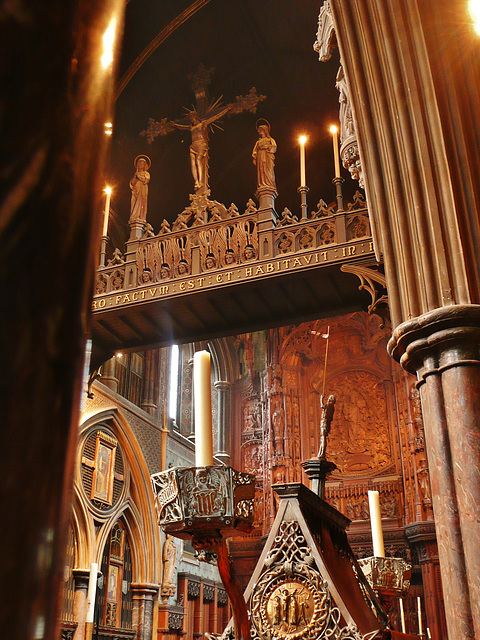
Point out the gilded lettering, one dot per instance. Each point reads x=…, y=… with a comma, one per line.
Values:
x=259, y=270
x=143, y=294
x=191, y=284
x=370, y=246
x=134, y=296
x=200, y=281
x=248, y=271
x=324, y=254
x=152, y=292
x=229, y=275
x=286, y=262
x=117, y=299
x=316, y=257
x=348, y=251
x=297, y=263
x=269, y=267
x=101, y=303
x=182, y=286
x=308, y=259
x=163, y=290
x=94, y=305
x=219, y=277
x=126, y=298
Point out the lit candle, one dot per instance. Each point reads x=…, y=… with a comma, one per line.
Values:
x=92, y=591
x=203, y=409
x=419, y=610
x=402, y=615
x=336, y=154
x=108, y=191
x=376, y=524
x=303, y=179
x=429, y=635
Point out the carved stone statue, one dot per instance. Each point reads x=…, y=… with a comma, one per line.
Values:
x=139, y=187
x=328, y=409
x=347, y=127
x=169, y=554
x=264, y=156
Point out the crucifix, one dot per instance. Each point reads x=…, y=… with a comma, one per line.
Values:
x=200, y=121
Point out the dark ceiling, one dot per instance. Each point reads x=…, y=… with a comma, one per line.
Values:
x=263, y=43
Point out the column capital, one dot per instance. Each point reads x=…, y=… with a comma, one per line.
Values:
x=437, y=340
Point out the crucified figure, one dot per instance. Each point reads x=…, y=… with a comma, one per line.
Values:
x=199, y=147
x=198, y=120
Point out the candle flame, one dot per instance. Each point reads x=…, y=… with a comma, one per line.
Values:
x=108, y=190
x=474, y=8
x=302, y=139
x=333, y=129
x=108, y=42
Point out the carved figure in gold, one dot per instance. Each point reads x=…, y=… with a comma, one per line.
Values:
x=264, y=156
x=139, y=187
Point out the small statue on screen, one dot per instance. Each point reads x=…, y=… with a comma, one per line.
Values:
x=328, y=409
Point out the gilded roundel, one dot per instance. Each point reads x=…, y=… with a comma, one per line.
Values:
x=102, y=470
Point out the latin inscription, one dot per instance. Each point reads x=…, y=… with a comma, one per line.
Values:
x=282, y=265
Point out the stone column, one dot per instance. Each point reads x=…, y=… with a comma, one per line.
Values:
x=224, y=444
x=415, y=100
x=80, y=577
x=443, y=348
x=143, y=596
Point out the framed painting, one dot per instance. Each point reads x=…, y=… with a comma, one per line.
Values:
x=104, y=470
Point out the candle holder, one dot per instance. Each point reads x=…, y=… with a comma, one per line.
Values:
x=303, y=199
x=207, y=505
x=103, y=250
x=389, y=578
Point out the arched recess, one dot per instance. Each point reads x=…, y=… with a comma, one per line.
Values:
x=136, y=505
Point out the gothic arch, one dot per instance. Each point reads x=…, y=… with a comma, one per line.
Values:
x=137, y=506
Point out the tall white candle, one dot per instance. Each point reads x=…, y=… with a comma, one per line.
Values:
x=303, y=179
x=92, y=591
x=336, y=153
x=402, y=615
x=203, y=409
x=419, y=610
x=108, y=191
x=376, y=523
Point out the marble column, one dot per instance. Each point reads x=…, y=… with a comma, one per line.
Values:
x=443, y=349
x=80, y=577
x=143, y=596
x=224, y=445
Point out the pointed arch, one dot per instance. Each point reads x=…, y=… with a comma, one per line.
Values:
x=136, y=508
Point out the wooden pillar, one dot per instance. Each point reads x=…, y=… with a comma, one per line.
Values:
x=80, y=577
x=51, y=167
